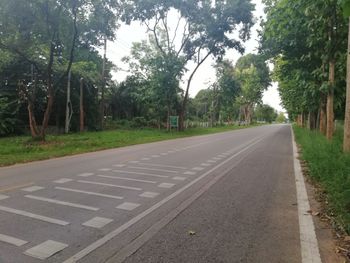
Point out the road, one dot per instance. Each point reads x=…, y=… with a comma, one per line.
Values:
x=228, y=197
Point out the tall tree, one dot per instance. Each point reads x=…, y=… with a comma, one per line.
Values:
x=206, y=30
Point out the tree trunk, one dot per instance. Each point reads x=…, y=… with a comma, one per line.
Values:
x=68, y=105
x=346, y=143
x=102, y=102
x=330, y=101
x=323, y=117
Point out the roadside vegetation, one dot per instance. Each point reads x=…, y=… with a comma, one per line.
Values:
x=329, y=167
x=21, y=149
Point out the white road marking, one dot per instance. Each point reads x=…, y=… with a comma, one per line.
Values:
x=134, y=161
x=211, y=161
x=308, y=240
x=170, y=151
x=155, y=156
x=147, y=174
x=32, y=188
x=3, y=197
x=89, y=193
x=119, y=165
x=127, y=179
x=98, y=222
x=205, y=164
x=63, y=181
x=145, y=159
x=58, y=202
x=85, y=174
x=111, y=185
x=164, y=154
x=179, y=178
x=166, y=185
x=197, y=168
x=46, y=249
x=12, y=240
x=100, y=242
x=221, y=156
x=105, y=169
x=162, y=165
x=190, y=173
x=128, y=206
x=216, y=158
x=153, y=169
x=34, y=216
x=149, y=194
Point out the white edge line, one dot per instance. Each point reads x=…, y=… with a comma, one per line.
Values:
x=98, y=243
x=308, y=240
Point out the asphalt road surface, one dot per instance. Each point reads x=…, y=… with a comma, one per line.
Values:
x=228, y=197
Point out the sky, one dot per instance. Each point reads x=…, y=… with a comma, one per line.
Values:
x=127, y=34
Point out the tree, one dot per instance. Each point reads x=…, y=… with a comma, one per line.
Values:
x=281, y=118
x=206, y=29
x=44, y=35
x=265, y=113
x=252, y=74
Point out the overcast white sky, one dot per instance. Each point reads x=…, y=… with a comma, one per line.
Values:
x=127, y=34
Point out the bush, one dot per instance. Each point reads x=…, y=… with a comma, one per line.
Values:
x=138, y=122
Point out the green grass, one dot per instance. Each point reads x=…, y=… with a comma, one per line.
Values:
x=330, y=167
x=22, y=149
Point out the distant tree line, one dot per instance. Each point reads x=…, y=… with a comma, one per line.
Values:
x=53, y=75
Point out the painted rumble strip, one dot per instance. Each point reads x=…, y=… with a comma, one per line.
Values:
x=162, y=165
x=46, y=249
x=100, y=242
x=34, y=216
x=308, y=240
x=57, y=202
x=12, y=240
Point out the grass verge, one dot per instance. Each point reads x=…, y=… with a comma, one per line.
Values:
x=329, y=167
x=22, y=149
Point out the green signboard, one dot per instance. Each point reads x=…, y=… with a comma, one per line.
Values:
x=174, y=121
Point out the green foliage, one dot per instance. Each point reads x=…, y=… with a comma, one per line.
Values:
x=264, y=112
x=8, y=116
x=281, y=118
x=330, y=167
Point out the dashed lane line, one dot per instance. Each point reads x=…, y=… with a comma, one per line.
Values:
x=153, y=169
x=149, y=194
x=12, y=240
x=63, y=181
x=98, y=222
x=3, y=197
x=46, y=249
x=89, y=193
x=126, y=179
x=128, y=206
x=111, y=185
x=163, y=165
x=58, y=202
x=34, y=216
x=138, y=173
x=33, y=188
